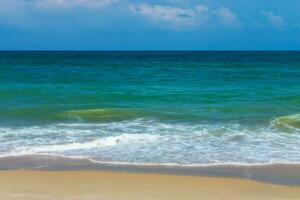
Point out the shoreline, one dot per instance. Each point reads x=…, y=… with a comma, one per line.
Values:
x=92, y=185
x=277, y=173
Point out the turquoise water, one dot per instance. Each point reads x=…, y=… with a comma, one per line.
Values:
x=152, y=107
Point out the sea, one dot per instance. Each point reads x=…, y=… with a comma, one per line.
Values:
x=183, y=108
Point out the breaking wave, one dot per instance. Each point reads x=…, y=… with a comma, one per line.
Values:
x=152, y=141
x=292, y=121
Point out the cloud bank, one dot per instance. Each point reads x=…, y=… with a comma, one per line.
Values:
x=172, y=14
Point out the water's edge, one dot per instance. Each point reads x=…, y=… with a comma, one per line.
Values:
x=277, y=173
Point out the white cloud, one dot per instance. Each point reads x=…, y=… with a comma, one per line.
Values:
x=275, y=20
x=228, y=17
x=175, y=15
x=201, y=8
x=66, y=4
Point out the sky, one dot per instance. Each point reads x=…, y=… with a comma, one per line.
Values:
x=149, y=25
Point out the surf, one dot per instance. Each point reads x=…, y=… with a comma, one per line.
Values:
x=101, y=115
x=292, y=121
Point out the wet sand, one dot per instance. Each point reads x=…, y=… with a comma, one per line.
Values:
x=278, y=173
x=97, y=185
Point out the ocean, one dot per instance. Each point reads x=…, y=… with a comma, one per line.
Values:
x=169, y=108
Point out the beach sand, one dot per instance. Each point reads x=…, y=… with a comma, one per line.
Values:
x=95, y=185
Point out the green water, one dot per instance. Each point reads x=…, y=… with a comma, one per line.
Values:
x=187, y=103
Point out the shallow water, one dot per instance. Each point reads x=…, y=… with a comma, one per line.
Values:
x=152, y=107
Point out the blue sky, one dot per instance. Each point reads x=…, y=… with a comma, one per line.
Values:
x=149, y=25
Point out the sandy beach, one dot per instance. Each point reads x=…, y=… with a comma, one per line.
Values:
x=91, y=185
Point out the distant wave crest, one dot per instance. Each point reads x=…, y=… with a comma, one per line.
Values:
x=98, y=115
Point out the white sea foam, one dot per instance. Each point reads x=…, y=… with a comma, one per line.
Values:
x=97, y=143
x=150, y=141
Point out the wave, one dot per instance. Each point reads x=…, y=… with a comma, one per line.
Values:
x=292, y=121
x=98, y=143
x=99, y=115
x=47, y=115
x=155, y=141
x=119, y=114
